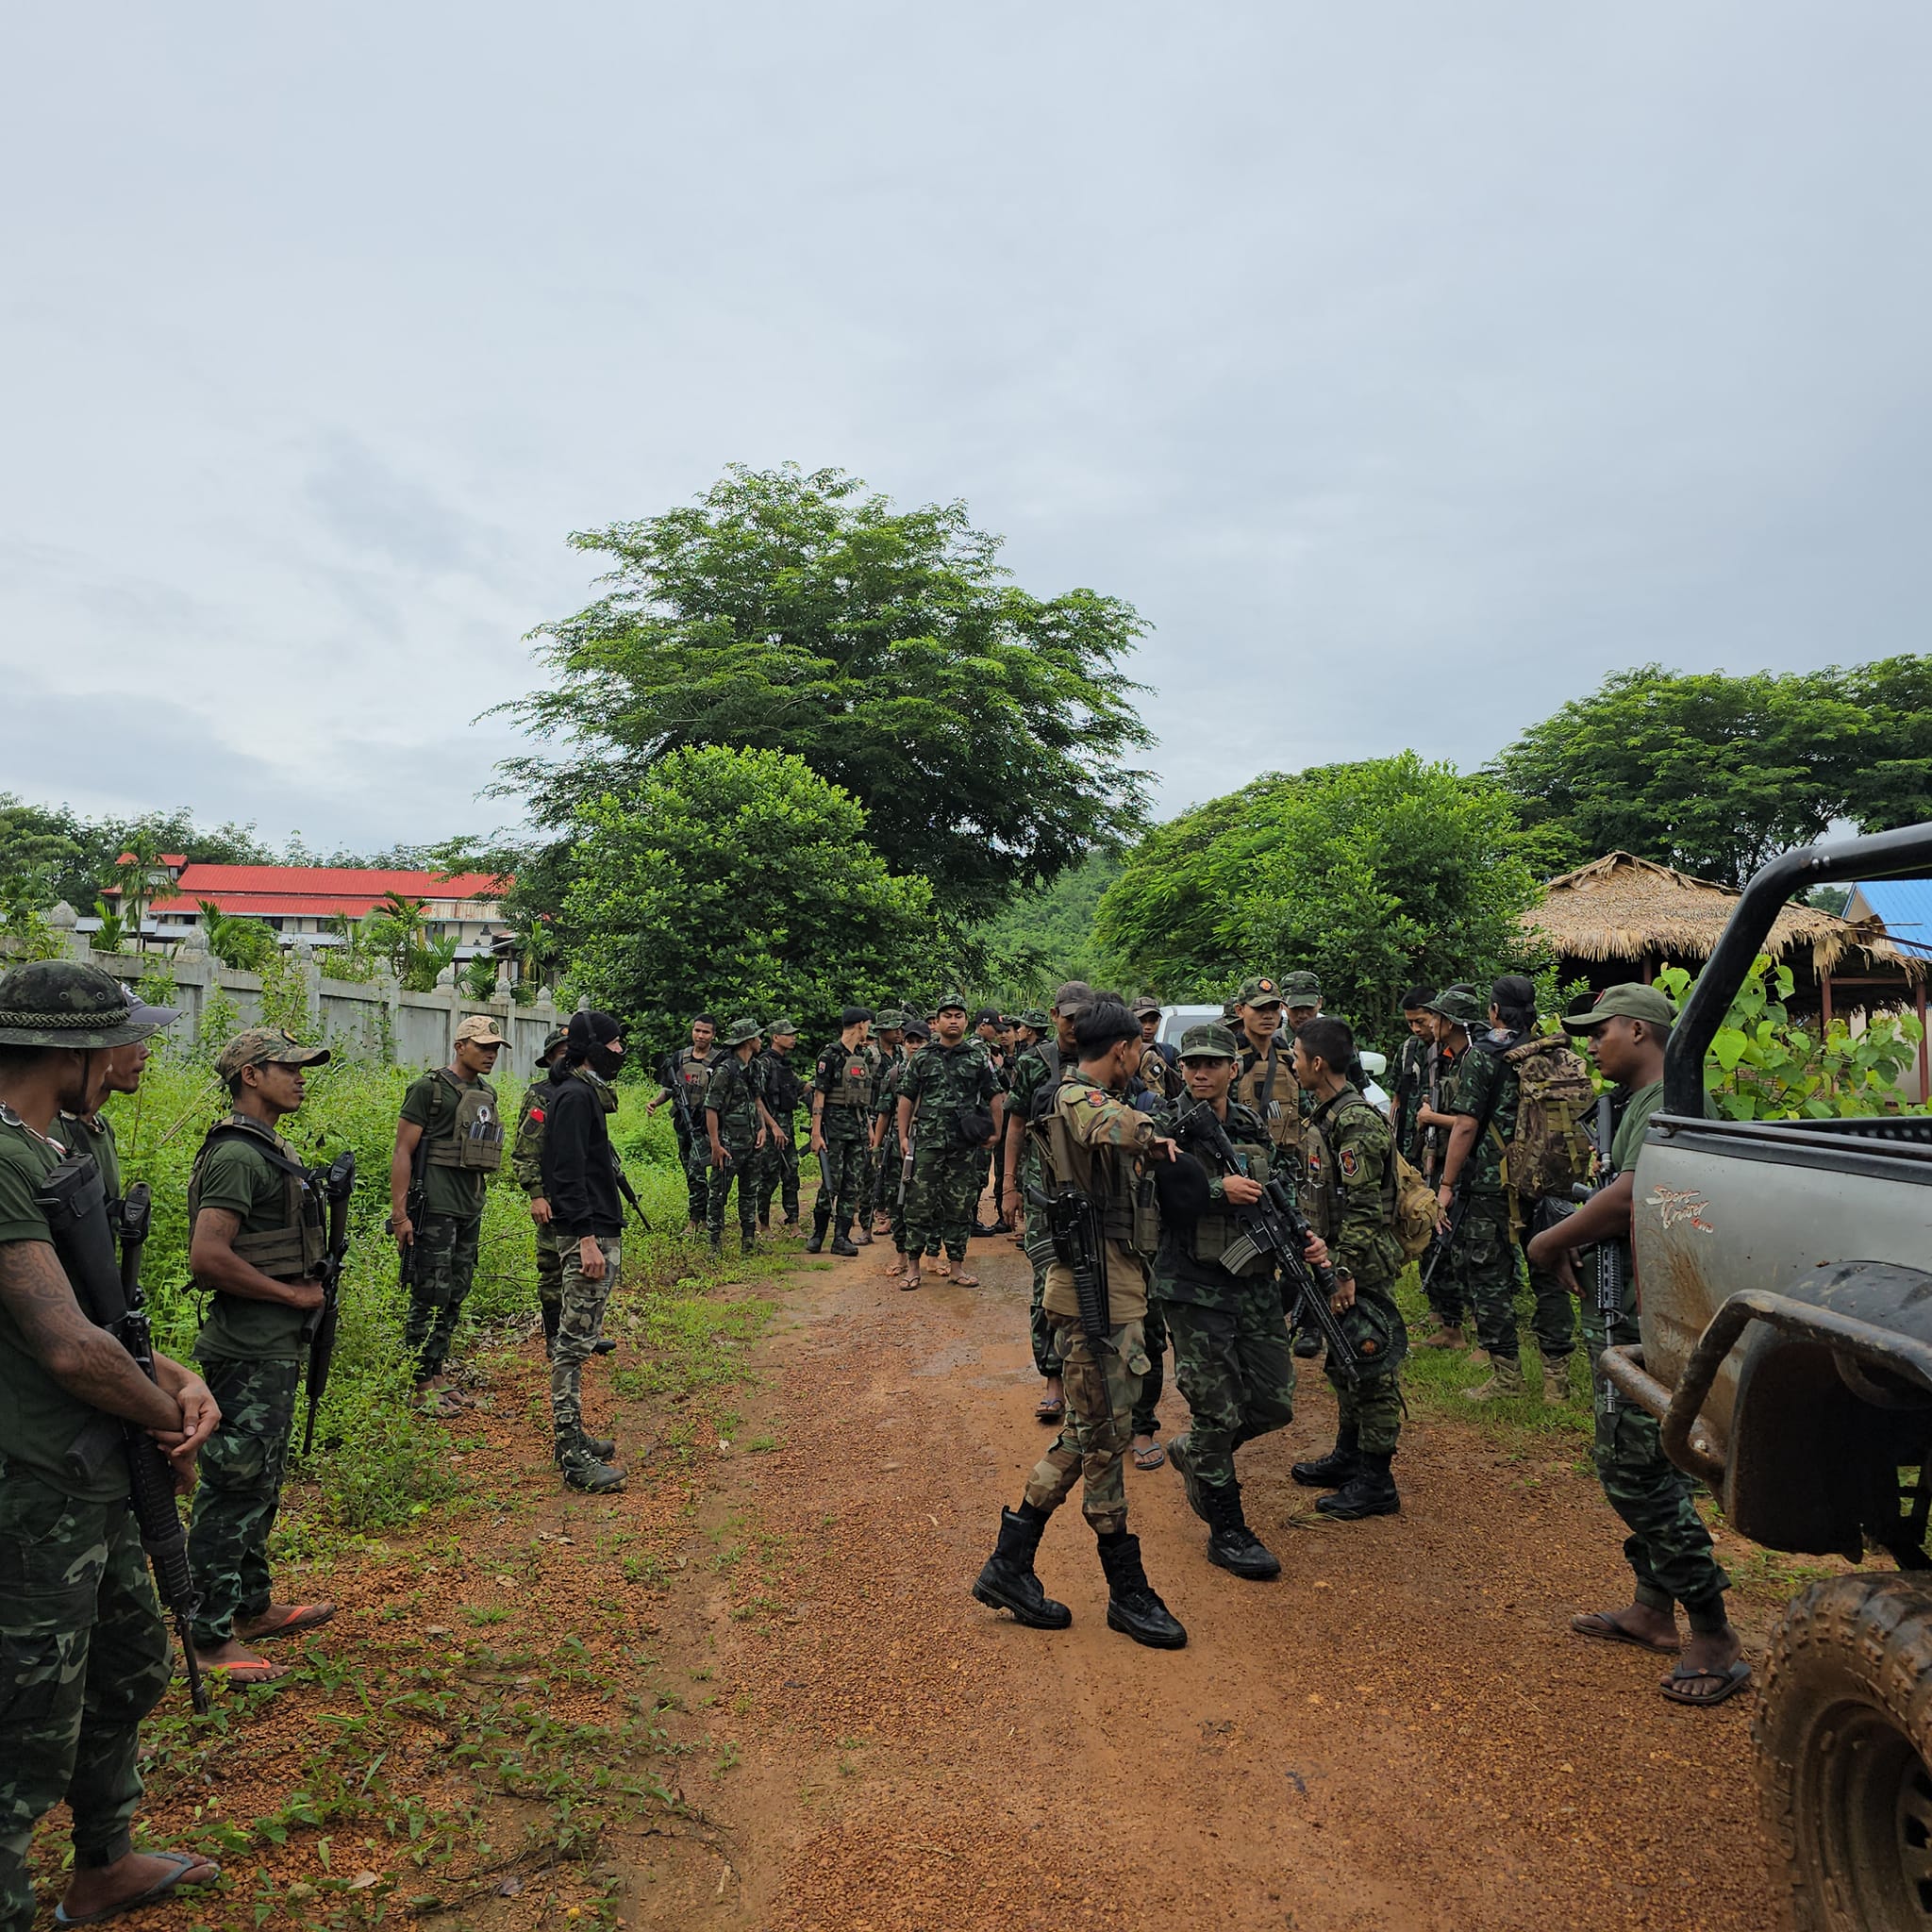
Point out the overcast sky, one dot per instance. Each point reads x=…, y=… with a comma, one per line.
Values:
x=1409, y=366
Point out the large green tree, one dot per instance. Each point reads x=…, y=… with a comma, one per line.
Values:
x=985, y=730
x=737, y=882
x=1716, y=774
x=1372, y=875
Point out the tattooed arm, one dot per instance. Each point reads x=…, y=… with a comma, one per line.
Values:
x=87, y=1361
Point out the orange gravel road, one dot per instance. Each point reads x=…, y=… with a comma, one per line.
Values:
x=1397, y=1734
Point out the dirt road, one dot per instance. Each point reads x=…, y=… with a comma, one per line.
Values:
x=1397, y=1734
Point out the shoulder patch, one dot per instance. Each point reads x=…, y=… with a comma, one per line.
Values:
x=537, y=1114
x=1350, y=1162
x=1096, y=1098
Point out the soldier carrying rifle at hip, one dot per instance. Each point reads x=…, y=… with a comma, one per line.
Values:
x=83, y=1648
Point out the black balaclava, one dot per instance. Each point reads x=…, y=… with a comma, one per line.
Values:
x=590, y=1034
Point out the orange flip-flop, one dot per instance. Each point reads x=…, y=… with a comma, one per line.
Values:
x=283, y=1619
x=242, y=1671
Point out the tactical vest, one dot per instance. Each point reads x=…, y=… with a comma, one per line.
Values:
x=296, y=1247
x=856, y=1078
x=1324, y=1196
x=1217, y=1231
x=474, y=1140
x=1109, y=1178
x=696, y=1075
x=1268, y=1089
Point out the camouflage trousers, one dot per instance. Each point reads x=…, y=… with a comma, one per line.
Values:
x=741, y=1168
x=844, y=1169
x=1486, y=1268
x=695, y=1157
x=1236, y=1369
x=239, y=1491
x=940, y=1197
x=580, y=1323
x=1039, y=1251
x=549, y=1270
x=1669, y=1549
x=778, y=1173
x=1147, y=1403
x=445, y=1267
x=1373, y=1409
x=1102, y=1385
x=887, y=1159
x=83, y=1659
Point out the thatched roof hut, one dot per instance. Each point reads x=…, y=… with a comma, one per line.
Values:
x=1621, y=917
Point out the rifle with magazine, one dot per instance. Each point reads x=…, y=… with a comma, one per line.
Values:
x=338, y=1182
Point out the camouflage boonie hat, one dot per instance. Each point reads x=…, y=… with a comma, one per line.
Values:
x=888, y=1017
x=949, y=999
x=1456, y=1004
x=1301, y=989
x=63, y=1003
x=778, y=1026
x=552, y=1040
x=1037, y=1019
x=739, y=1032
x=1209, y=1042
x=1258, y=992
x=259, y=1046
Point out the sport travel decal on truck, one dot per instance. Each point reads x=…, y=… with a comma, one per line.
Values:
x=1681, y=1203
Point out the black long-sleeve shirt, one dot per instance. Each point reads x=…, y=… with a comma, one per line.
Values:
x=579, y=1177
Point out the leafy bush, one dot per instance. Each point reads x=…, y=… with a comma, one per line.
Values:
x=246, y=944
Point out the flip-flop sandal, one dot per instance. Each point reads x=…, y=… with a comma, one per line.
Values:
x=259, y=1671
x=1605, y=1628
x=1732, y=1679
x=965, y=1281
x=160, y=1889
x=295, y=1617
x=1052, y=1409
x=1150, y=1459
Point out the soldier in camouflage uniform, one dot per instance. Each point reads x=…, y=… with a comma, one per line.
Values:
x=1098, y=1145
x=256, y=1239
x=1347, y=1190
x=950, y=1111
x=843, y=1087
x=1231, y=1352
x=526, y=1166
x=83, y=1649
x=1036, y=1071
x=1409, y=1083
x=685, y=1076
x=781, y=1093
x=1669, y=1549
x=451, y=1124
x=888, y=1156
x=1456, y=1016
x=734, y=1126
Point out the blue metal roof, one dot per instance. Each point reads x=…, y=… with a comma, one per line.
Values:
x=1904, y=904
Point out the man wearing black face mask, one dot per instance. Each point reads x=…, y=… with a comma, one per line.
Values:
x=580, y=1183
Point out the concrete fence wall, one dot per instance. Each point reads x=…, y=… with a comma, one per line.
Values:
x=376, y=1019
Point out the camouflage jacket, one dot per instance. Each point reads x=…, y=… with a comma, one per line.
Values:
x=732, y=1095
x=778, y=1086
x=1348, y=1191
x=940, y=1080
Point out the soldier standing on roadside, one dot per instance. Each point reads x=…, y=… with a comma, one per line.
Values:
x=952, y=1094
x=1453, y=1012
x=843, y=1088
x=686, y=1074
x=82, y=1643
x=1409, y=1085
x=734, y=1127
x=1097, y=1144
x=781, y=1093
x=257, y=1235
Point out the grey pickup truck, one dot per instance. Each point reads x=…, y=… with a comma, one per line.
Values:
x=1785, y=1270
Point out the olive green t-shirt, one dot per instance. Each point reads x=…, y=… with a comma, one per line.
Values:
x=431, y=1103
x=247, y=1183
x=95, y=1136
x=39, y=1419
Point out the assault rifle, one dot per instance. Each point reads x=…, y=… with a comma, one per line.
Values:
x=1445, y=1233
x=1079, y=1244
x=338, y=1182
x=629, y=1193
x=1274, y=1225
x=680, y=1101
x=1609, y=1253
x=1431, y=1143
x=413, y=1210
x=74, y=1199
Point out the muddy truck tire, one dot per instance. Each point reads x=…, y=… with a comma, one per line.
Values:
x=1843, y=1731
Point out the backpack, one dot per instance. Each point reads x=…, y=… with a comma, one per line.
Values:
x=1416, y=1209
x=1550, y=1152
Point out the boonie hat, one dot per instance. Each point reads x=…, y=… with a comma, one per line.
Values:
x=1258, y=992
x=63, y=1003
x=264, y=1046
x=1301, y=989
x=1457, y=1004
x=1630, y=1000
x=552, y=1040
x=480, y=1030
x=1037, y=1019
x=1209, y=1042
x=740, y=1031
x=888, y=1017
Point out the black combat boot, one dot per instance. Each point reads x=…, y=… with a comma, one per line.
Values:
x=1230, y=1543
x=1132, y=1606
x=1341, y=1464
x=1370, y=1491
x=841, y=1242
x=553, y=1316
x=1007, y=1582
x=747, y=1241
x=603, y=1447
x=1180, y=1458
x=603, y=1345
x=583, y=1469
x=1308, y=1344
x=820, y=1220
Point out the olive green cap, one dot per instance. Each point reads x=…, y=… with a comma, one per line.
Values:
x=1301, y=989
x=739, y=1032
x=1259, y=992
x=63, y=1003
x=1209, y=1042
x=1630, y=1000
x=783, y=1028
x=1456, y=1004
x=261, y=1046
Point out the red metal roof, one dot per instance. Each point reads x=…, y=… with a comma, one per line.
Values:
x=282, y=892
